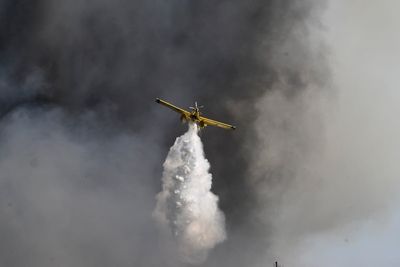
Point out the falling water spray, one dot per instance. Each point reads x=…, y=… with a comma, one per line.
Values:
x=186, y=207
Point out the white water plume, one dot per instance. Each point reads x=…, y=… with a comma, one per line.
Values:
x=186, y=207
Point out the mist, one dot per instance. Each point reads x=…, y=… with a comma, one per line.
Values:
x=187, y=211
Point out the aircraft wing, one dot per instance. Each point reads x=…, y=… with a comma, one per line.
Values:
x=174, y=108
x=211, y=122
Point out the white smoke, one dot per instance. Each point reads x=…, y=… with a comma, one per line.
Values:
x=186, y=207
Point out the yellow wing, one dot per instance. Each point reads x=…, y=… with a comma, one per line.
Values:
x=174, y=108
x=211, y=122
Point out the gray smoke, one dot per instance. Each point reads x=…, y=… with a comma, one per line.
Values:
x=65, y=197
x=341, y=208
x=186, y=207
x=82, y=143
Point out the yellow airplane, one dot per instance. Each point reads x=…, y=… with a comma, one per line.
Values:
x=194, y=116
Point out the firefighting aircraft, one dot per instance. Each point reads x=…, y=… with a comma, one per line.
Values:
x=194, y=116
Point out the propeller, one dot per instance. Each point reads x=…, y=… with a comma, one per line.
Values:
x=196, y=107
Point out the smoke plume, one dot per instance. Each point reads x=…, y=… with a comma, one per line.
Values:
x=186, y=203
x=82, y=142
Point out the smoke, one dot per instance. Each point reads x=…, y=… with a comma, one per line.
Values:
x=82, y=146
x=66, y=196
x=336, y=192
x=186, y=203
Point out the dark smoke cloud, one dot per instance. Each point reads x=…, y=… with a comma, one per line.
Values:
x=83, y=143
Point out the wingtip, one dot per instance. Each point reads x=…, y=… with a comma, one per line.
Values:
x=233, y=127
x=157, y=100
